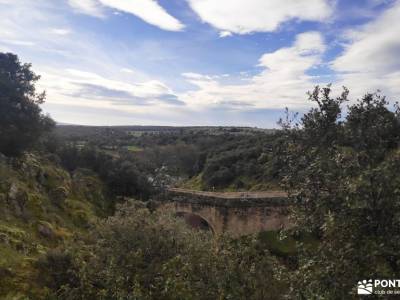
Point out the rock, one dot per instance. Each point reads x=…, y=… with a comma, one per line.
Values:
x=17, y=199
x=13, y=191
x=41, y=177
x=152, y=205
x=29, y=165
x=5, y=272
x=59, y=195
x=45, y=230
x=3, y=238
x=3, y=159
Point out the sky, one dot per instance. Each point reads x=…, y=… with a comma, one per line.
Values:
x=200, y=62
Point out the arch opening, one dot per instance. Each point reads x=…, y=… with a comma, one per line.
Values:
x=195, y=221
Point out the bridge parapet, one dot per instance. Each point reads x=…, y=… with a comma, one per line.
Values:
x=232, y=199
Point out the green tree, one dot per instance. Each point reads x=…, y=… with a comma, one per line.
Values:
x=342, y=173
x=22, y=121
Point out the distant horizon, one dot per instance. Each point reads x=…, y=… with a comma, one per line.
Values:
x=172, y=126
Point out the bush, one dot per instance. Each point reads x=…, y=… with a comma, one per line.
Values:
x=142, y=255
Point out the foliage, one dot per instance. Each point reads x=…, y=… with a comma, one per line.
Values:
x=221, y=158
x=21, y=122
x=137, y=254
x=41, y=206
x=235, y=160
x=123, y=174
x=343, y=177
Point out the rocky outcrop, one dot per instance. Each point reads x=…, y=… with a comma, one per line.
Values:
x=17, y=199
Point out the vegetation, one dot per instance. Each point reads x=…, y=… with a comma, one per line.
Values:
x=71, y=229
x=201, y=158
x=21, y=122
x=41, y=206
x=123, y=174
x=137, y=254
x=343, y=174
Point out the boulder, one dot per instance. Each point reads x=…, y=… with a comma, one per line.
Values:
x=45, y=230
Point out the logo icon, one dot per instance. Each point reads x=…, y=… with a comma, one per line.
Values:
x=365, y=287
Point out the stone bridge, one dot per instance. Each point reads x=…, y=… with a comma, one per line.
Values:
x=237, y=213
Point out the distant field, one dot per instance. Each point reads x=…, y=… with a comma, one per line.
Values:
x=134, y=149
x=79, y=130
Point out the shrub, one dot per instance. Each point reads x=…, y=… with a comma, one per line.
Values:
x=142, y=255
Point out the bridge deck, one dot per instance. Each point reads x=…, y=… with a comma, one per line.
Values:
x=230, y=198
x=233, y=195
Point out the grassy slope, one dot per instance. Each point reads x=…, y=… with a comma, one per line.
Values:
x=41, y=206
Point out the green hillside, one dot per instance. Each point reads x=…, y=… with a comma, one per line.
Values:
x=41, y=206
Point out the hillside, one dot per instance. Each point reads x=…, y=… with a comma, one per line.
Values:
x=203, y=158
x=41, y=206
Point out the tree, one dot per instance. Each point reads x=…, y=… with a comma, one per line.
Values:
x=22, y=121
x=342, y=174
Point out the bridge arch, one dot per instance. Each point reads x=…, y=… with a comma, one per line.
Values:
x=195, y=221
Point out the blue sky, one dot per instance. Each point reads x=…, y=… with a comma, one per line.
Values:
x=200, y=62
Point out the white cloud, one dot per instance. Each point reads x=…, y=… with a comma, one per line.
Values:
x=109, y=83
x=60, y=31
x=147, y=10
x=195, y=76
x=81, y=97
x=26, y=24
x=243, y=17
x=18, y=42
x=150, y=88
x=127, y=70
x=82, y=88
x=282, y=82
x=223, y=34
x=370, y=59
x=89, y=7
